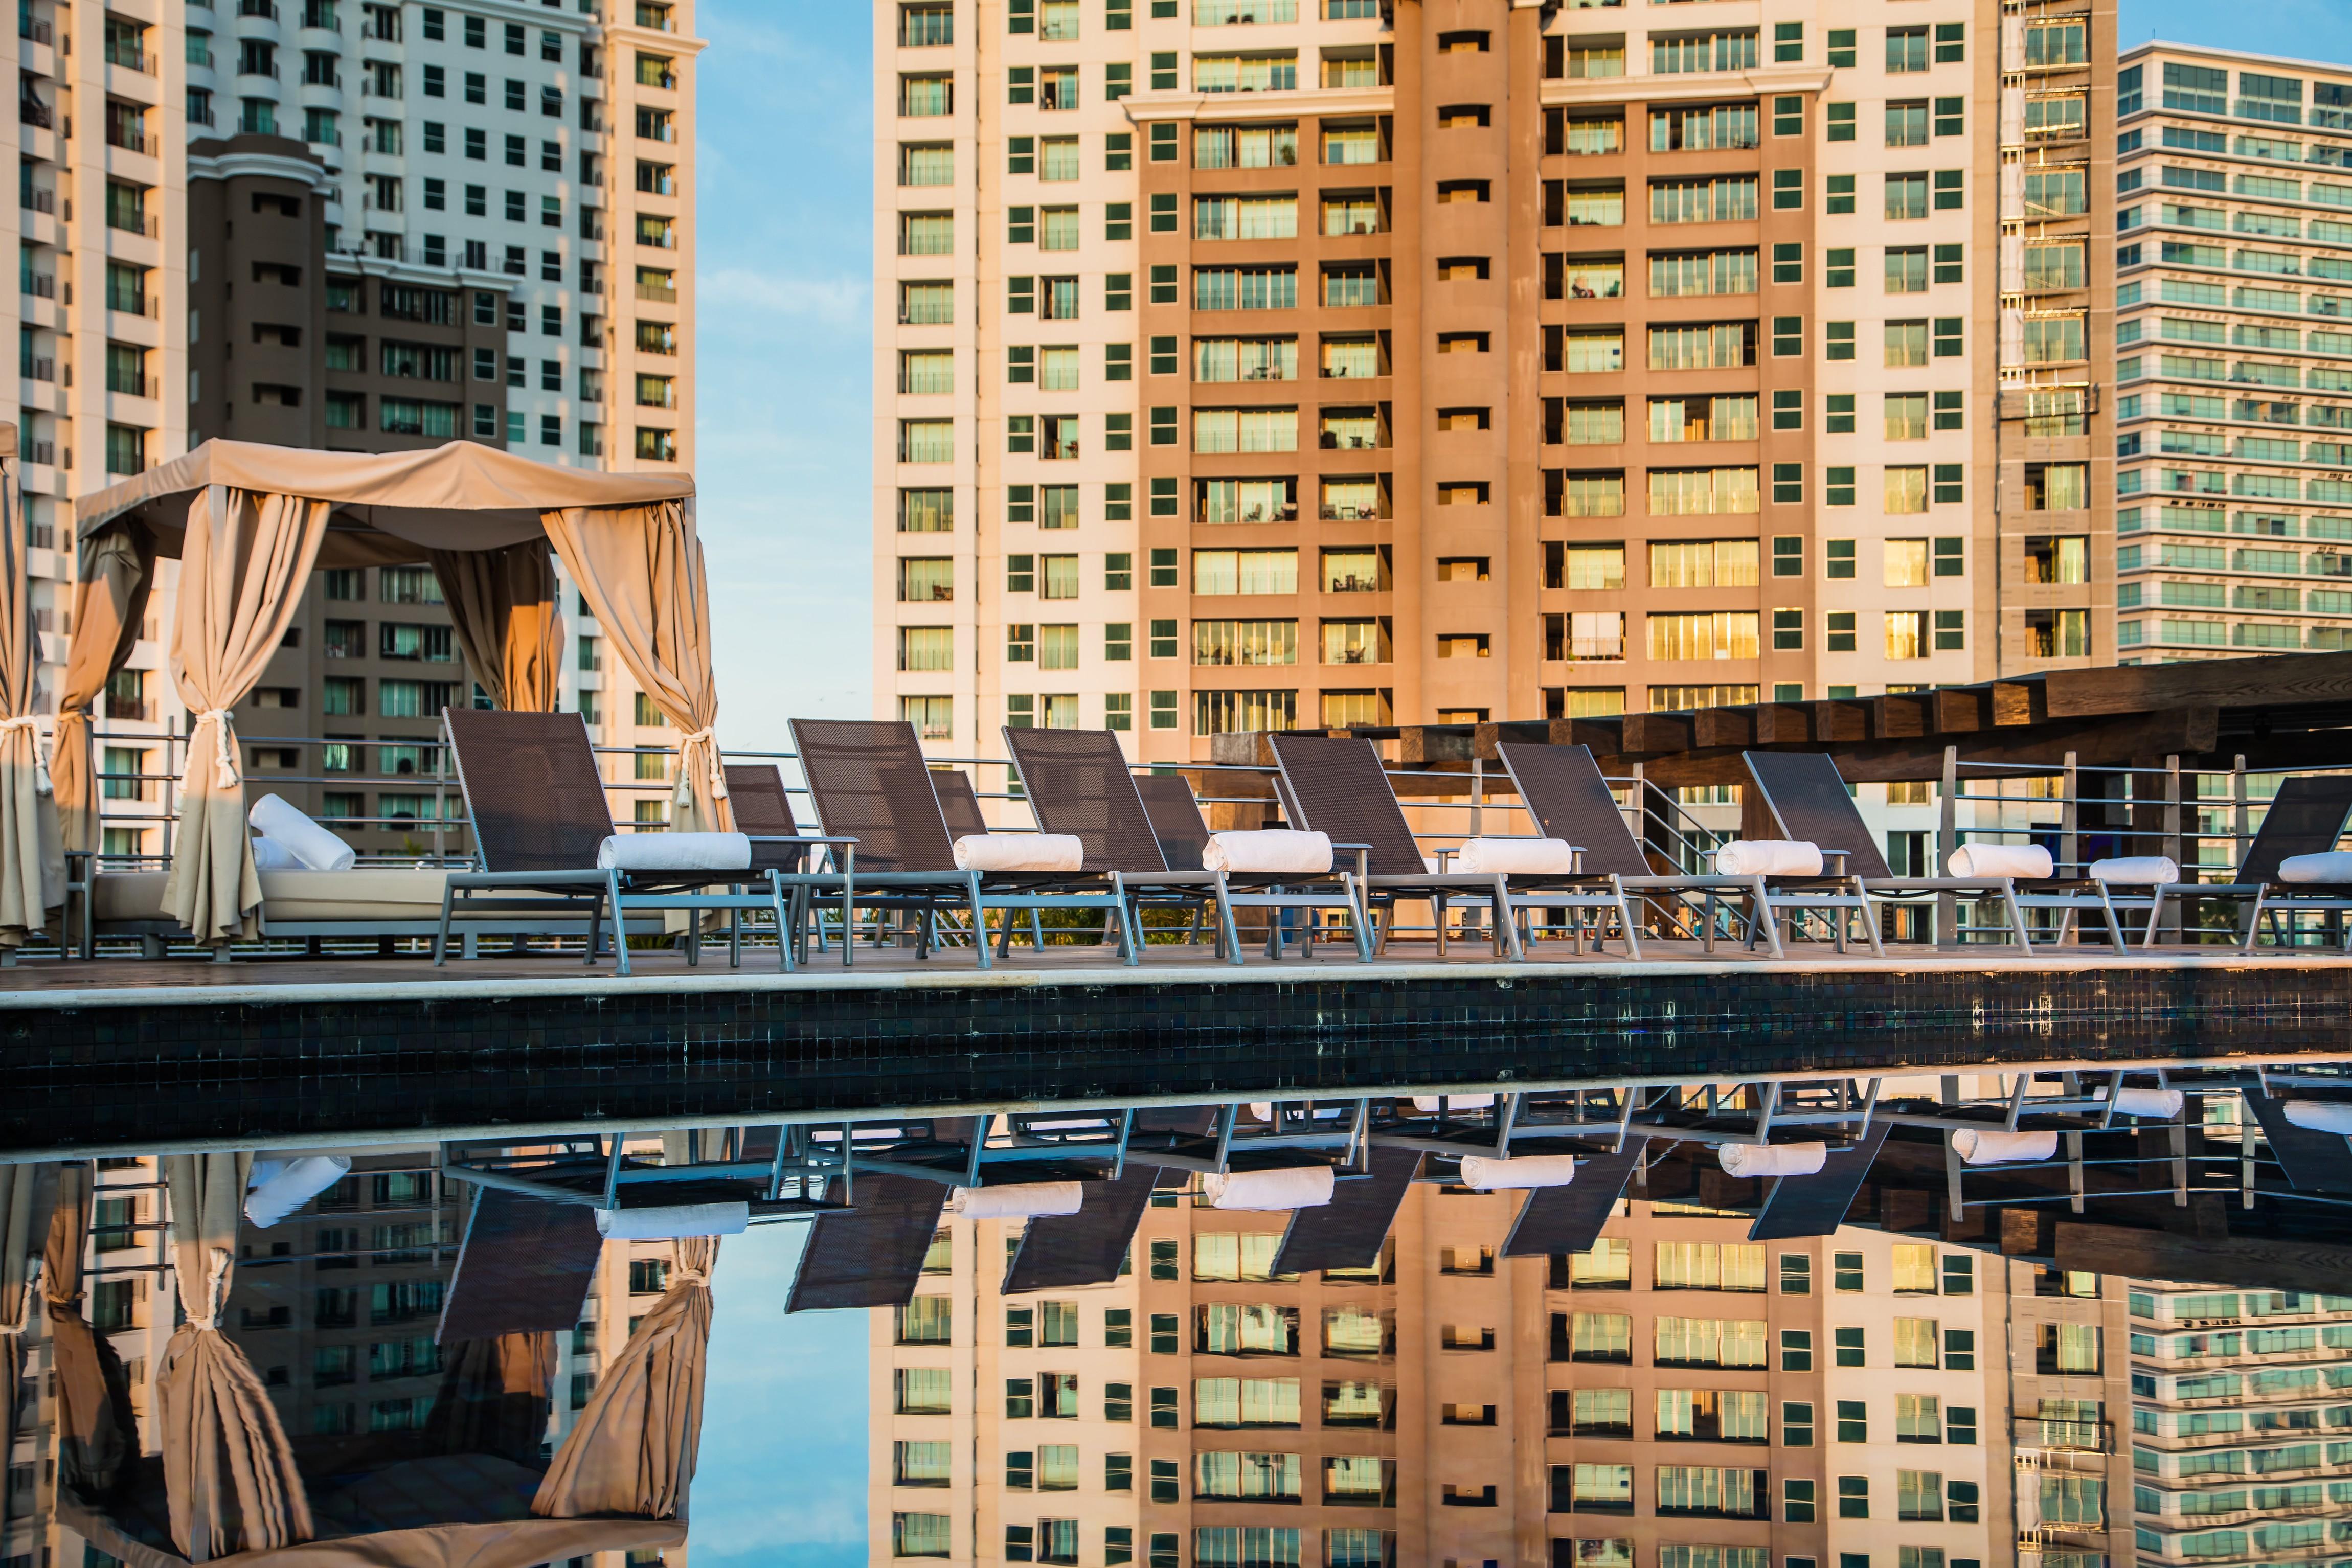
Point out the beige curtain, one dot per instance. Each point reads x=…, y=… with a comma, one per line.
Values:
x=26, y=1193
x=640, y=568
x=97, y=1434
x=243, y=566
x=115, y=572
x=632, y=1449
x=32, y=855
x=503, y=603
x=228, y=1475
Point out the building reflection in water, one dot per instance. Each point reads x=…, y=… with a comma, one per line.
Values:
x=411, y=1371
x=317, y=1413
x=1897, y=1394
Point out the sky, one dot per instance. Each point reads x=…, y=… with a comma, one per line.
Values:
x=785, y=230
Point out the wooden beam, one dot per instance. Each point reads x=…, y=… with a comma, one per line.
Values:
x=2249, y=1262
x=1900, y=715
x=2020, y=701
x=1657, y=732
x=1840, y=721
x=1959, y=709
x=2188, y=733
x=1784, y=724
x=1247, y=749
x=2284, y=680
x=1420, y=744
x=1523, y=732
x=1602, y=735
x=1723, y=727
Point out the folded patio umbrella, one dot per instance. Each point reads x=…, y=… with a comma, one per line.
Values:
x=634, y=1448
x=228, y=1475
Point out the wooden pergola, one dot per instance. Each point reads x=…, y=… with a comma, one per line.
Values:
x=2293, y=710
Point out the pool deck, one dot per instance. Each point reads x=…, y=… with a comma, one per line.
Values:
x=118, y=1054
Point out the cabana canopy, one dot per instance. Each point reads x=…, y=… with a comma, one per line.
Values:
x=249, y=523
x=391, y=508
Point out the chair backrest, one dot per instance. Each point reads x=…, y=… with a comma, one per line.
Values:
x=1078, y=784
x=1806, y=796
x=1570, y=799
x=1175, y=819
x=870, y=782
x=1340, y=787
x=2305, y=818
x=959, y=802
x=763, y=808
x=531, y=788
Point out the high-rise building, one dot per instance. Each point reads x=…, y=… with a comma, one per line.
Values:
x=367, y=227
x=2233, y=268
x=1257, y=364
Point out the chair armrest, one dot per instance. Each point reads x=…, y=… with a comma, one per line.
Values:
x=1834, y=861
x=1363, y=853
x=1443, y=855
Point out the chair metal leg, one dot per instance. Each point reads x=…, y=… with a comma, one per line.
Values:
x=1229, y=938
x=620, y=925
x=441, y=937
x=980, y=922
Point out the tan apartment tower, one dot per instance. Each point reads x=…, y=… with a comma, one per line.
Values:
x=1255, y=364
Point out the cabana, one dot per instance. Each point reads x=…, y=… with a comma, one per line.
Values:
x=249, y=523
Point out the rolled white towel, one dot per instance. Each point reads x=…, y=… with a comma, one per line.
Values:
x=1488, y=1173
x=1772, y=1159
x=1269, y=851
x=2321, y=1115
x=1523, y=857
x=278, y=1187
x=2028, y=862
x=1017, y=1200
x=274, y=817
x=1290, y=1186
x=1431, y=1104
x=1768, y=857
x=671, y=1220
x=2136, y=871
x=268, y=854
x=2331, y=869
x=1992, y=1147
x=1020, y=851
x=675, y=852
x=2161, y=1104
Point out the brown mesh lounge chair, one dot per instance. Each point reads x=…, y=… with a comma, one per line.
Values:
x=1565, y=792
x=1338, y=786
x=1079, y=782
x=1806, y=796
x=537, y=805
x=872, y=784
x=2307, y=817
x=1175, y=819
x=959, y=802
x=763, y=810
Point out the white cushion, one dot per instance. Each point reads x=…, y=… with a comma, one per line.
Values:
x=1768, y=857
x=2029, y=863
x=268, y=854
x=1526, y=857
x=1017, y=1200
x=671, y=1220
x=675, y=852
x=1431, y=1104
x=1488, y=1173
x=1992, y=1147
x=2332, y=869
x=1020, y=851
x=1772, y=1159
x=1292, y=1187
x=276, y=1188
x=2136, y=871
x=2161, y=1104
x=2321, y=1115
x=274, y=817
x=1269, y=851
x=363, y=892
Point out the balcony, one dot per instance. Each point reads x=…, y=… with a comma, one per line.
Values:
x=267, y=9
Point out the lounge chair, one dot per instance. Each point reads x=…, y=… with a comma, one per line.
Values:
x=540, y=818
x=1564, y=791
x=763, y=810
x=2307, y=817
x=1175, y=816
x=1340, y=787
x=1078, y=780
x=1805, y=795
x=872, y=784
x=959, y=802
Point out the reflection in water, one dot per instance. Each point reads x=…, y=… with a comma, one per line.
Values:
x=414, y=1371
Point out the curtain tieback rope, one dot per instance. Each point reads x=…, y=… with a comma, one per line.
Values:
x=24, y=1308
x=213, y=1275
x=32, y=728
x=704, y=737
x=224, y=754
